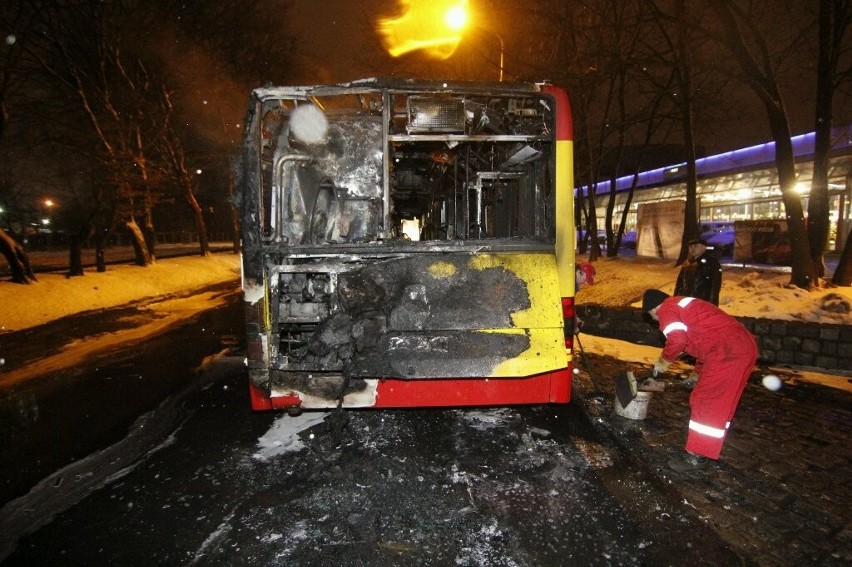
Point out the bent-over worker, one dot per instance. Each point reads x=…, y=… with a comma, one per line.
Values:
x=725, y=354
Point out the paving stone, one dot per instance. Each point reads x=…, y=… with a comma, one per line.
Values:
x=777, y=470
x=780, y=494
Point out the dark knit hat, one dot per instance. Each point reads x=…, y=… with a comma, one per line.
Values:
x=653, y=298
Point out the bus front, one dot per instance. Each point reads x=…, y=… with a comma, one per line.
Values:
x=407, y=244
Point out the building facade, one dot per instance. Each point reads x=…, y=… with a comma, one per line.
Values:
x=742, y=185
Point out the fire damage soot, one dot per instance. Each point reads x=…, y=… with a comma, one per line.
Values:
x=385, y=311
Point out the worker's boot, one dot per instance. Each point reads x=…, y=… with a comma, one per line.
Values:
x=688, y=462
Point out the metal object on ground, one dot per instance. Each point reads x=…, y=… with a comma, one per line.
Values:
x=625, y=388
x=651, y=385
x=583, y=358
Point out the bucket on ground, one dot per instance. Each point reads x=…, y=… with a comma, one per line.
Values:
x=636, y=409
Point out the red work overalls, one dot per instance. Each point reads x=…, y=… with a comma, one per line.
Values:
x=725, y=353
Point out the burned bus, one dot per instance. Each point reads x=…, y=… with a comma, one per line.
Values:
x=408, y=243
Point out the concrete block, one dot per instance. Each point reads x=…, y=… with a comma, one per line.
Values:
x=803, y=358
x=778, y=327
x=828, y=347
x=829, y=333
x=827, y=362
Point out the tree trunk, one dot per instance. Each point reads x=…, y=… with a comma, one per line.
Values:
x=830, y=46
x=624, y=213
x=75, y=256
x=198, y=214
x=19, y=263
x=592, y=226
x=75, y=250
x=785, y=163
x=611, y=237
x=843, y=273
x=203, y=240
x=140, y=248
x=149, y=233
x=100, y=254
x=684, y=74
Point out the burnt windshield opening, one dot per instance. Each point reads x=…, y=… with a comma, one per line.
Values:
x=357, y=169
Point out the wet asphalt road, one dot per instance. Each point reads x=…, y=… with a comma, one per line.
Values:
x=56, y=419
x=189, y=484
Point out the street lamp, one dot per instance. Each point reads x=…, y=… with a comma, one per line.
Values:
x=456, y=18
x=502, y=49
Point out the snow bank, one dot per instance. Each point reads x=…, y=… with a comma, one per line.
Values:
x=746, y=291
x=54, y=296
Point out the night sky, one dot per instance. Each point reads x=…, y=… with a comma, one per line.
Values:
x=339, y=43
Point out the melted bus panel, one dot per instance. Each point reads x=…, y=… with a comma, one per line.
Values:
x=401, y=245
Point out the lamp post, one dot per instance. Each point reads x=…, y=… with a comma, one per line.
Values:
x=502, y=49
x=46, y=221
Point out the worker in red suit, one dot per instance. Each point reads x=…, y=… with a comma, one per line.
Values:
x=725, y=354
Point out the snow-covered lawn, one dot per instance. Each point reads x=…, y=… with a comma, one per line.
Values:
x=746, y=292
x=54, y=296
x=759, y=292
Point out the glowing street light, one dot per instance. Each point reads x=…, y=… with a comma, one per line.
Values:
x=456, y=19
x=433, y=26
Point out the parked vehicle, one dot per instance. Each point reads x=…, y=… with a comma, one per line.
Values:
x=719, y=235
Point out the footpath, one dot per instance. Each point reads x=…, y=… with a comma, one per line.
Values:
x=781, y=492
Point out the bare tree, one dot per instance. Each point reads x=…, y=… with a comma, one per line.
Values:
x=175, y=161
x=13, y=16
x=19, y=263
x=835, y=17
x=676, y=51
x=90, y=54
x=741, y=36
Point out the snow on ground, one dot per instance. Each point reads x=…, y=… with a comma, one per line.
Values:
x=746, y=292
x=283, y=436
x=750, y=291
x=759, y=292
x=54, y=296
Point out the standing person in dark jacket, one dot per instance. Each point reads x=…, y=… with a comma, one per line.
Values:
x=725, y=354
x=701, y=274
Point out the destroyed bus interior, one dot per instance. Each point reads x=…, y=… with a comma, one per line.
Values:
x=353, y=196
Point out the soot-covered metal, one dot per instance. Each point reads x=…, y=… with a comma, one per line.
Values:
x=367, y=210
x=398, y=318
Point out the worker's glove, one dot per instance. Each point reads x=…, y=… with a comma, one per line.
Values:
x=690, y=381
x=578, y=324
x=661, y=366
